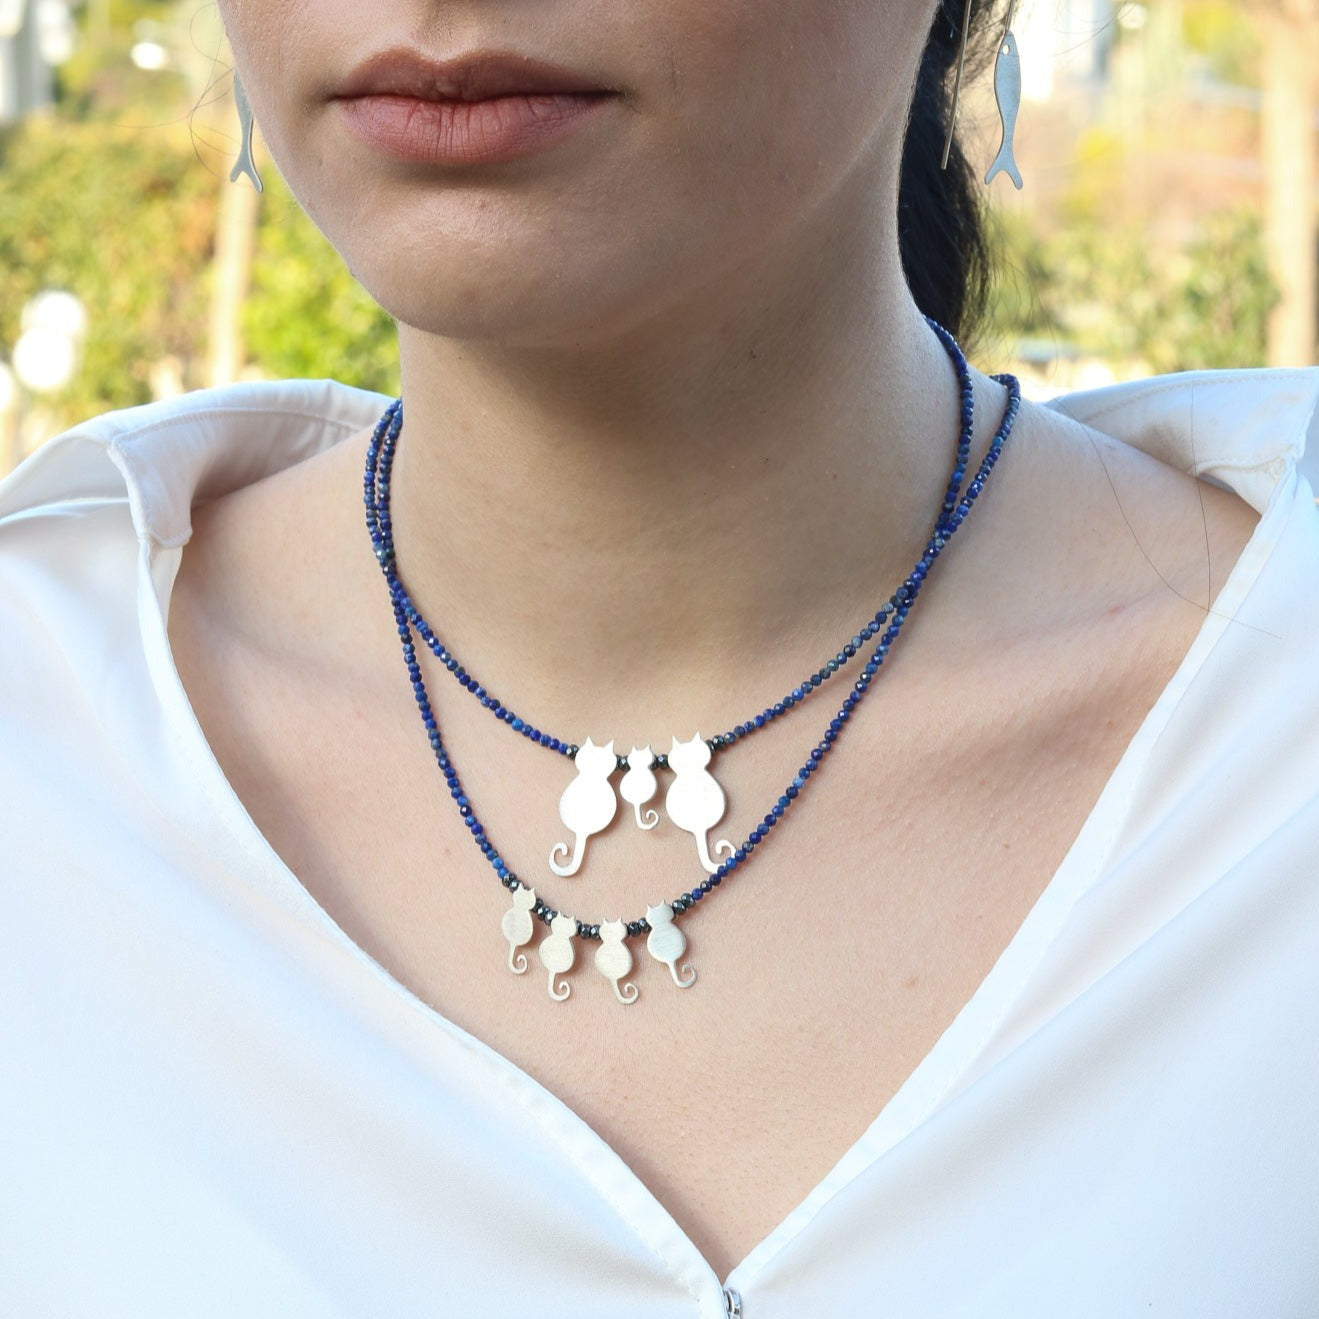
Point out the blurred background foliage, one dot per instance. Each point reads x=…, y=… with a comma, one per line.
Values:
x=1104, y=293
x=151, y=211
x=116, y=193
x=1140, y=244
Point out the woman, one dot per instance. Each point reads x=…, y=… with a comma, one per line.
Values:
x=1010, y=1009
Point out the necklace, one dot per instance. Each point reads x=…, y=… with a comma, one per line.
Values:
x=695, y=801
x=698, y=795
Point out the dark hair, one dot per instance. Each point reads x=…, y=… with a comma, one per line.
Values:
x=941, y=217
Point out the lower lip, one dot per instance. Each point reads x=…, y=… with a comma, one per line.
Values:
x=469, y=132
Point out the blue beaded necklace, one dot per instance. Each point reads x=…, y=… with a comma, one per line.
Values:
x=695, y=801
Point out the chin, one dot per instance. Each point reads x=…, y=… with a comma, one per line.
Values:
x=527, y=308
x=529, y=290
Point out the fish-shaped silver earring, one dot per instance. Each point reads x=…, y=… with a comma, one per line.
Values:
x=1007, y=92
x=244, y=164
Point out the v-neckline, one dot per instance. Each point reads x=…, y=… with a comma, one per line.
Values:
x=932, y=1081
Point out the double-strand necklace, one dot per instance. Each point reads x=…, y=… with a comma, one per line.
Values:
x=694, y=800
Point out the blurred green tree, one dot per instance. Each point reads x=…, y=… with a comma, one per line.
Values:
x=124, y=221
x=1100, y=289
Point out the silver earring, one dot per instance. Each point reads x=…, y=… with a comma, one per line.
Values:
x=1007, y=92
x=244, y=164
x=957, y=86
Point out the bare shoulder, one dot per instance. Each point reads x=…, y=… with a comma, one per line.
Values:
x=1085, y=578
x=276, y=558
x=1104, y=526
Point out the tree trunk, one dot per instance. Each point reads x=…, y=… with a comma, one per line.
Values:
x=231, y=270
x=1290, y=49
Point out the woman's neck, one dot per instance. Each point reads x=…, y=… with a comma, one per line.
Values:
x=645, y=519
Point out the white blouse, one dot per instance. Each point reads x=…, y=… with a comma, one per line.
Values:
x=213, y=1103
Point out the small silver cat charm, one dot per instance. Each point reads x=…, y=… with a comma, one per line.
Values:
x=639, y=786
x=666, y=943
x=695, y=802
x=557, y=956
x=588, y=804
x=613, y=959
x=518, y=927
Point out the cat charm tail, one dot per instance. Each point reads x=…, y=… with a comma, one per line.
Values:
x=1007, y=92
x=244, y=164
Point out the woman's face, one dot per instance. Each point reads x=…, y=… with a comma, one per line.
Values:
x=737, y=132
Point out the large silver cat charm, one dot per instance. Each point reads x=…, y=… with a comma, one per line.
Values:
x=588, y=804
x=695, y=802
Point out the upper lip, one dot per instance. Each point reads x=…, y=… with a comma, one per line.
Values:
x=477, y=76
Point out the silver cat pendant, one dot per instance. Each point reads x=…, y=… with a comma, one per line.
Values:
x=588, y=804
x=557, y=954
x=695, y=802
x=613, y=959
x=666, y=943
x=518, y=928
x=639, y=786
